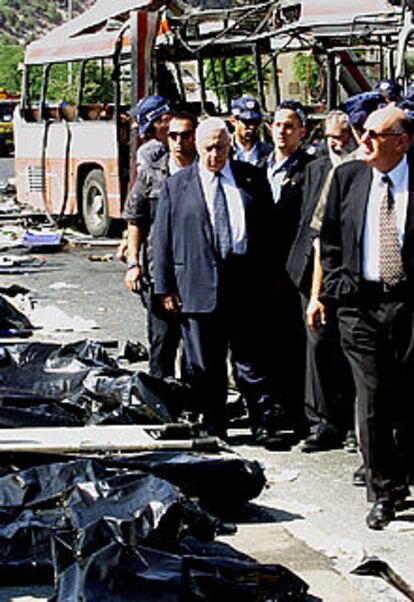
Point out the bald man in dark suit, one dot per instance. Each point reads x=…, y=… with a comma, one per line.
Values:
x=367, y=251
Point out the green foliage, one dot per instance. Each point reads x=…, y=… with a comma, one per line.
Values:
x=26, y=20
x=11, y=56
x=63, y=83
x=240, y=74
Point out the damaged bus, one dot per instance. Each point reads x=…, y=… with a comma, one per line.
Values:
x=74, y=146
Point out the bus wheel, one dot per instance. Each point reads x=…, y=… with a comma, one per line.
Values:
x=95, y=204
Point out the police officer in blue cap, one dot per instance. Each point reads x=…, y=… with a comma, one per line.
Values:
x=359, y=107
x=407, y=103
x=151, y=116
x=390, y=90
x=246, y=119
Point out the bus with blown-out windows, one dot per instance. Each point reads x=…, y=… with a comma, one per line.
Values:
x=75, y=148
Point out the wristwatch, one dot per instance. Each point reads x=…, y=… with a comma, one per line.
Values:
x=132, y=265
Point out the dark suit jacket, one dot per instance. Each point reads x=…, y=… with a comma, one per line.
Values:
x=300, y=260
x=343, y=228
x=287, y=212
x=184, y=253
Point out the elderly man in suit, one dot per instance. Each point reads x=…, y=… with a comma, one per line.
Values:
x=367, y=251
x=210, y=252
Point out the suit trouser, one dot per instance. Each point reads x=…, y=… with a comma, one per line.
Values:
x=329, y=386
x=207, y=337
x=288, y=351
x=163, y=331
x=378, y=339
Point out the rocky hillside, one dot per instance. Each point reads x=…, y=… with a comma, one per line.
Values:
x=22, y=21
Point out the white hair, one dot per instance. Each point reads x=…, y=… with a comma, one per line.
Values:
x=337, y=117
x=208, y=126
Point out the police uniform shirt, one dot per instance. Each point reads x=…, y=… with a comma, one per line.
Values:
x=249, y=156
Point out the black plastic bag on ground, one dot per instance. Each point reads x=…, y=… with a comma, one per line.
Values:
x=219, y=483
x=72, y=385
x=45, y=484
x=84, y=506
x=122, y=574
x=47, y=371
x=11, y=318
x=132, y=508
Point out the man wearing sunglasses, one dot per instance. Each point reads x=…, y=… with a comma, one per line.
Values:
x=367, y=252
x=163, y=328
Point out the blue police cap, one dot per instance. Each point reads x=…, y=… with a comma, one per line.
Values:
x=390, y=89
x=246, y=108
x=148, y=110
x=359, y=107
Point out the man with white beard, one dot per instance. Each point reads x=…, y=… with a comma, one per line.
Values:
x=328, y=378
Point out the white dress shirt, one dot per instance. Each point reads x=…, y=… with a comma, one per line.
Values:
x=371, y=234
x=235, y=206
x=173, y=166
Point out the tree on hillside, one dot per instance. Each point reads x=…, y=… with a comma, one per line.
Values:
x=11, y=55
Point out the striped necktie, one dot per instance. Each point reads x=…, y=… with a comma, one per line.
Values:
x=390, y=260
x=222, y=231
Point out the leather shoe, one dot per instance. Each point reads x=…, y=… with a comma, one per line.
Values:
x=351, y=443
x=261, y=435
x=399, y=496
x=381, y=513
x=359, y=477
x=321, y=441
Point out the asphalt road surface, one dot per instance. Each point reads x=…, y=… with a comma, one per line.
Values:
x=6, y=168
x=309, y=518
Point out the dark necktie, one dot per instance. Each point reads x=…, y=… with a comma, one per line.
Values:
x=221, y=220
x=390, y=261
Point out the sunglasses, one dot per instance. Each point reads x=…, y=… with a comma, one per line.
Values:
x=183, y=135
x=374, y=135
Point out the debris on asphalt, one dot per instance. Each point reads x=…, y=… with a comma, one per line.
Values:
x=106, y=257
x=58, y=286
x=13, y=290
x=283, y=477
x=134, y=352
x=375, y=567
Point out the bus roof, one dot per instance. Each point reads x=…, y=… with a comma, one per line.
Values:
x=333, y=12
x=85, y=36
x=328, y=21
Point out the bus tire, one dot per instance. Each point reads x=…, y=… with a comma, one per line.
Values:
x=95, y=204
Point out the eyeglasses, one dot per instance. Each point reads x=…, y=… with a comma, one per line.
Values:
x=183, y=135
x=374, y=135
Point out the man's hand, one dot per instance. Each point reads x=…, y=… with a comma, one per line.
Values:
x=171, y=303
x=315, y=314
x=133, y=279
